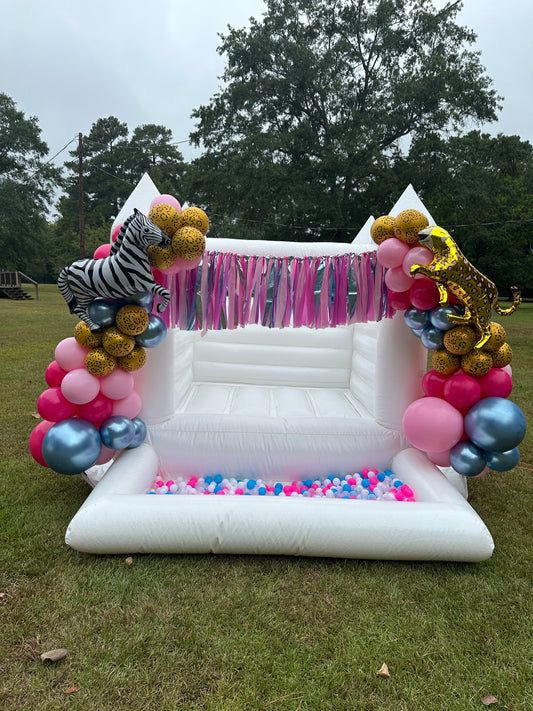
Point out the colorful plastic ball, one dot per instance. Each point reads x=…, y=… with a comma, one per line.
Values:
x=71, y=446
x=432, y=424
x=417, y=255
x=495, y=424
x=194, y=217
x=445, y=363
x=166, y=200
x=467, y=459
x=399, y=300
x=497, y=337
x=85, y=337
x=139, y=434
x=432, y=338
x=117, y=432
x=433, y=383
x=79, y=386
x=35, y=442
x=166, y=217
x=382, y=229
x=54, y=374
x=99, y=362
x=117, y=343
x=97, y=410
x=141, y=298
x=391, y=253
x=103, y=251
x=154, y=334
x=439, y=316
x=476, y=363
x=53, y=406
x=407, y=225
x=460, y=340
x=117, y=384
x=134, y=360
x=102, y=311
x=132, y=320
x=69, y=354
x=160, y=257
x=496, y=383
x=503, y=461
x=424, y=294
x=416, y=319
x=462, y=390
x=397, y=280
x=503, y=356
x=188, y=243
x=129, y=406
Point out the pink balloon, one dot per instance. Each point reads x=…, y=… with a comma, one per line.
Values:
x=424, y=294
x=440, y=459
x=496, y=383
x=417, y=255
x=104, y=250
x=106, y=455
x=54, y=374
x=165, y=200
x=79, y=386
x=69, y=354
x=392, y=252
x=397, y=280
x=462, y=390
x=117, y=385
x=52, y=405
x=97, y=410
x=399, y=300
x=433, y=383
x=35, y=443
x=432, y=424
x=129, y=406
x=114, y=232
x=182, y=265
x=507, y=369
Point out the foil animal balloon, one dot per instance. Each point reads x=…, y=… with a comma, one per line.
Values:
x=451, y=271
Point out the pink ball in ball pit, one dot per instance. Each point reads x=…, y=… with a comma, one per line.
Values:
x=397, y=280
x=399, y=300
x=462, y=390
x=129, y=406
x=69, y=354
x=392, y=252
x=416, y=255
x=165, y=200
x=496, y=383
x=424, y=294
x=52, y=405
x=35, y=443
x=104, y=250
x=432, y=424
x=54, y=374
x=117, y=385
x=79, y=386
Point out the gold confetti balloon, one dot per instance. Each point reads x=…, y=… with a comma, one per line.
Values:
x=161, y=258
x=445, y=363
x=117, y=343
x=459, y=340
x=85, y=337
x=132, y=320
x=99, y=362
x=503, y=356
x=476, y=363
x=134, y=360
x=188, y=243
x=382, y=229
x=497, y=337
x=194, y=217
x=407, y=225
x=166, y=217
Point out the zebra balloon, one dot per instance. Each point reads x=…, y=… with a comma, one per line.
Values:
x=125, y=272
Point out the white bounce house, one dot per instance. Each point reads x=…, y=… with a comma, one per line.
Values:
x=282, y=361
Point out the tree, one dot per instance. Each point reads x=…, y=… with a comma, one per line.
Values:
x=27, y=183
x=320, y=98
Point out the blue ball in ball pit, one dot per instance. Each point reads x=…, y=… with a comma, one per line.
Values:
x=495, y=424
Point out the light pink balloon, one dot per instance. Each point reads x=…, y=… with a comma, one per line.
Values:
x=508, y=369
x=440, y=459
x=129, y=406
x=104, y=250
x=182, y=265
x=391, y=252
x=397, y=280
x=79, y=386
x=165, y=200
x=106, y=455
x=417, y=255
x=117, y=384
x=432, y=424
x=69, y=354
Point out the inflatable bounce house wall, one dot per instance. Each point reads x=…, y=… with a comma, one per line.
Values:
x=284, y=362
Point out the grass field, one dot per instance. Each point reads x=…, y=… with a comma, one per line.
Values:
x=236, y=632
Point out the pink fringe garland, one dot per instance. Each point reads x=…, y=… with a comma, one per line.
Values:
x=230, y=290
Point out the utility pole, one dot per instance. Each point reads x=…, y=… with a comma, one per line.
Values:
x=80, y=196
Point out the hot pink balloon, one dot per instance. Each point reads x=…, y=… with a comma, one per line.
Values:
x=462, y=390
x=35, y=443
x=114, y=232
x=440, y=459
x=106, y=455
x=432, y=424
x=165, y=200
x=117, y=385
x=433, y=383
x=391, y=252
x=97, y=410
x=417, y=255
x=399, y=300
x=129, y=406
x=496, y=383
x=397, y=280
x=104, y=250
x=424, y=294
x=79, y=386
x=69, y=354
x=54, y=374
x=52, y=405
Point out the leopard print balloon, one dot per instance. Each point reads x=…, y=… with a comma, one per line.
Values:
x=503, y=356
x=166, y=217
x=445, y=363
x=476, y=363
x=134, y=360
x=407, y=225
x=98, y=362
x=460, y=340
x=117, y=343
x=382, y=229
x=132, y=320
x=194, y=217
x=160, y=257
x=496, y=339
x=188, y=243
x=85, y=337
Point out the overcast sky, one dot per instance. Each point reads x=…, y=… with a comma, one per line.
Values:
x=69, y=62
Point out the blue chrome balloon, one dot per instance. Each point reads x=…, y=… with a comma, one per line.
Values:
x=139, y=433
x=103, y=312
x=503, y=461
x=495, y=424
x=415, y=318
x=432, y=338
x=141, y=298
x=439, y=317
x=467, y=459
x=117, y=431
x=154, y=334
x=71, y=446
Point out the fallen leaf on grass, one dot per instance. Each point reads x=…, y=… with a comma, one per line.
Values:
x=54, y=655
x=36, y=415
x=488, y=700
x=383, y=671
x=72, y=689
x=129, y=560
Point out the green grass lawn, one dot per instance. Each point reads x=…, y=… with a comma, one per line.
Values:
x=248, y=632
